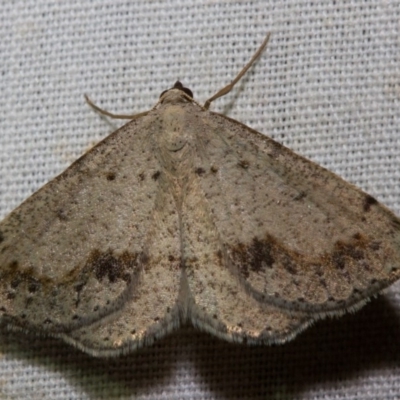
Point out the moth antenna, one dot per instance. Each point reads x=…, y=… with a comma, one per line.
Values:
x=229, y=87
x=112, y=115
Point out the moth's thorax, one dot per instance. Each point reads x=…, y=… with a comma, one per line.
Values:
x=175, y=138
x=174, y=96
x=176, y=116
x=175, y=127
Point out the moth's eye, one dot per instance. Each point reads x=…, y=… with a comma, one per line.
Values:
x=188, y=92
x=178, y=85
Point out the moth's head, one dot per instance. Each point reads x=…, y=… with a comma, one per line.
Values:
x=178, y=85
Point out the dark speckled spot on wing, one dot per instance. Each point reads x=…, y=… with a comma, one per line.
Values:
x=107, y=265
x=368, y=202
x=282, y=268
x=104, y=273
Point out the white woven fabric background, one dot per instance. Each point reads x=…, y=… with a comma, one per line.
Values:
x=328, y=86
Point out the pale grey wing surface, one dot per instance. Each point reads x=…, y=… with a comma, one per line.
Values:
x=80, y=248
x=219, y=303
x=153, y=307
x=217, y=300
x=297, y=237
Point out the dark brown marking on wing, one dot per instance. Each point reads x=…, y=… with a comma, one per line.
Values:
x=253, y=257
x=264, y=253
x=300, y=196
x=107, y=265
x=357, y=236
x=344, y=252
x=101, y=265
x=200, y=171
x=243, y=164
x=396, y=223
x=214, y=169
x=375, y=245
x=114, y=272
x=111, y=176
x=276, y=149
x=156, y=175
x=33, y=286
x=368, y=202
x=62, y=214
x=359, y=253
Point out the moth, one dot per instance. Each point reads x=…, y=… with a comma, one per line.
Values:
x=182, y=216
